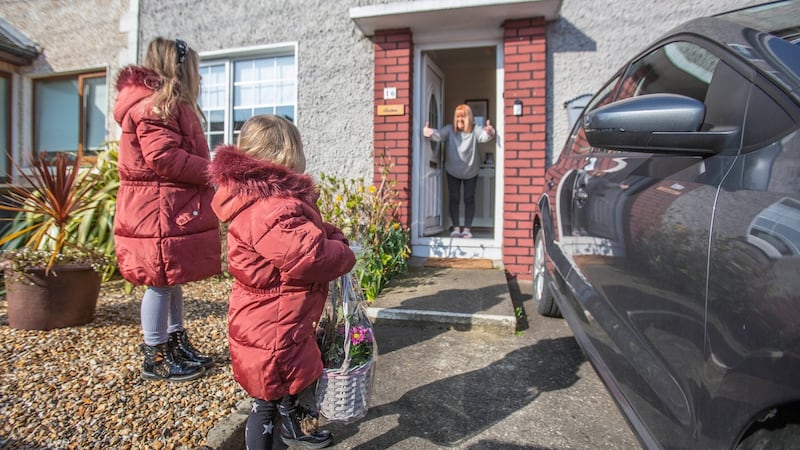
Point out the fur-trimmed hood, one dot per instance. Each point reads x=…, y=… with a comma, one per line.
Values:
x=138, y=76
x=134, y=83
x=242, y=179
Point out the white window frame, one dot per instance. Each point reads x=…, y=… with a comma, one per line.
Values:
x=227, y=57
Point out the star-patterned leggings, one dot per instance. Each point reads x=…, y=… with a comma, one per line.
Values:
x=260, y=424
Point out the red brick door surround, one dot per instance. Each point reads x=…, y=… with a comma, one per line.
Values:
x=523, y=136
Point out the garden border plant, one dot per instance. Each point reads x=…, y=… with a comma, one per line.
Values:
x=368, y=217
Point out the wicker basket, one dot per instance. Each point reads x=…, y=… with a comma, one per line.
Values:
x=343, y=395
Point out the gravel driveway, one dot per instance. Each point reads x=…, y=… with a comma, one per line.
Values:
x=81, y=388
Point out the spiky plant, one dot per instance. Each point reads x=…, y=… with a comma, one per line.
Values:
x=52, y=198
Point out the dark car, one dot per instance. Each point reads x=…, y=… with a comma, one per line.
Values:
x=668, y=234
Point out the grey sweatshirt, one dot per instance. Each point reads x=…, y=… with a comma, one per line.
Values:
x=461, y=158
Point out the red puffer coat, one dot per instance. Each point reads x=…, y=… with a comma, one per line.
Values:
x=282, y=256
x=165, y=232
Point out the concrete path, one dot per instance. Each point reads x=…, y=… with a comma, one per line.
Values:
x=462, y=299
x=457, y=368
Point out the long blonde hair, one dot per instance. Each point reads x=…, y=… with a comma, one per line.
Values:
x=275, y=139
x=180, y=70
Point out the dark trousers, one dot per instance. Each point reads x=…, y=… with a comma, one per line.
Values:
x=260, y=425
x=262, y=421
x=454, y=191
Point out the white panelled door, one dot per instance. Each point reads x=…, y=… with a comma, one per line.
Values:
x=432, y=152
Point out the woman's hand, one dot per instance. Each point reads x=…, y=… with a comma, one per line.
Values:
x=488, y=128
x=427, y=131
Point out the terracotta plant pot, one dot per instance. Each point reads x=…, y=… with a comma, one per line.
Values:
x=65, y=298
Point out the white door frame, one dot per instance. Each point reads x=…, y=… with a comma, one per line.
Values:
x=448, y=247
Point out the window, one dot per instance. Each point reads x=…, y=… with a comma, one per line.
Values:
x=235, y=89
x=678, y=68
x=69, y=113
x=577, y=142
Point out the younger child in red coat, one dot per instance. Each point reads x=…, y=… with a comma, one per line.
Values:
x=282, y=256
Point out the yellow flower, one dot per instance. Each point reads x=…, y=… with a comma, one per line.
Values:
x=396, y=226
x=361, y=189
x=338, y=198
x=372, y=189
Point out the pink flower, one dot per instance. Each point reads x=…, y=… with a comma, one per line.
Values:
x=360, y=334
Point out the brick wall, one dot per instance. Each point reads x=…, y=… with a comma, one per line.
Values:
x=524, y=50
x=392, y=133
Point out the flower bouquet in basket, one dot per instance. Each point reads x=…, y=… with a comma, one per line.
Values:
x=348, y=351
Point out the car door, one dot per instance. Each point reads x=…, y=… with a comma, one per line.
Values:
x=559, y=201
x=751, y=362
x=639, y=245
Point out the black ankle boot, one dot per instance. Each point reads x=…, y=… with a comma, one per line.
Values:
x=160, y=364
x=292, y=432
x=185, y=351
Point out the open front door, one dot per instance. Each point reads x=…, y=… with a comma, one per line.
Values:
x=432, y=155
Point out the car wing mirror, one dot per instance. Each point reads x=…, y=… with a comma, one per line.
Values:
x=656, y=123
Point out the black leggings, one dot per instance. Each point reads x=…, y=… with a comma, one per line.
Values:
x=454, y=190
x=262, y=421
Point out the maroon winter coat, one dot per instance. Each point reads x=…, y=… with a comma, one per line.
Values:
x=282, y=256
x=165, y=232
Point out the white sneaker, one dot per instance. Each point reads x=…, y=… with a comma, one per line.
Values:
x=466, y=234
x=455, y=233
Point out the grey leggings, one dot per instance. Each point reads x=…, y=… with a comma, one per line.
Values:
x=162, y=313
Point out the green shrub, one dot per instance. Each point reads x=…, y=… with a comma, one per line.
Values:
x=96, y=227
x=367, y=215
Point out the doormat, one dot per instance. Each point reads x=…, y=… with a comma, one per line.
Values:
x=460, y=263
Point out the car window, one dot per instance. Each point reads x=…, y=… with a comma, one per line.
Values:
x=766, y=119
x=577, y=142
x=679, y=68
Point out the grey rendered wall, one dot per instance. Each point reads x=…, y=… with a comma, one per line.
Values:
x=74, y=36
x=594, y=38
x=334, y=60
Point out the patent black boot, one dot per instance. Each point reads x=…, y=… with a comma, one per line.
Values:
x=293, y=431
x=160, y=364
x=185, y=351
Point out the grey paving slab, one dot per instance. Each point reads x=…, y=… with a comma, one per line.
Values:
x=463, y=299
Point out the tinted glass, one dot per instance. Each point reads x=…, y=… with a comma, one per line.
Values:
x=679, y=68
x=95, y=101
x=766, y=119
x=577, y=142
x=56, y=111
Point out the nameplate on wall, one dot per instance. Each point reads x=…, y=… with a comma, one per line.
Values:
x=391, y=110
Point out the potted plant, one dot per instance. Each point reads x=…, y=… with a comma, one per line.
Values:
x=51, y=280
x=347, y=343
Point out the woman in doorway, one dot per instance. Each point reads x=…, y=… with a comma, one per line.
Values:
x=461, y=162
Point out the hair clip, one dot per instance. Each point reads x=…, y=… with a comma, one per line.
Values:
x=182, y=49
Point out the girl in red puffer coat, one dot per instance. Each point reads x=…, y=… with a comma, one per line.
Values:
x=282, y=257
x=165, y=232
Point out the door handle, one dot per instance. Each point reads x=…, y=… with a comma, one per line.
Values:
x=550, y=184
